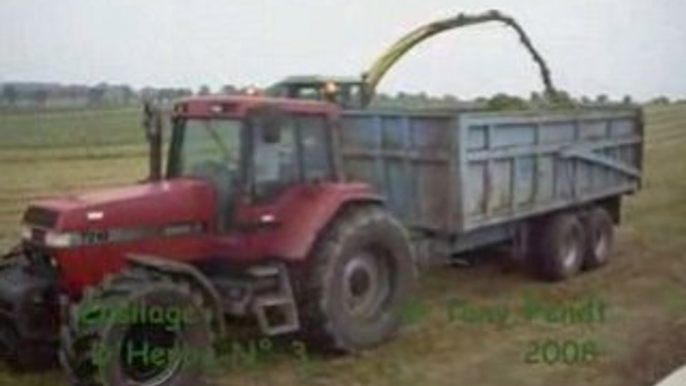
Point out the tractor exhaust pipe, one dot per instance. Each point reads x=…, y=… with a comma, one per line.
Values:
x=152, y=124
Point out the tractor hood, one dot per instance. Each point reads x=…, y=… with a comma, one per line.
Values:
x=142, y=206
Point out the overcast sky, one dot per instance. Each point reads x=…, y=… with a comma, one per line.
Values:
x=618, y=47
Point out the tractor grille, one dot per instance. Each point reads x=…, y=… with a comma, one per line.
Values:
x=41, y=217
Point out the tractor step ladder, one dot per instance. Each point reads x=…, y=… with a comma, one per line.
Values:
x=276, y=312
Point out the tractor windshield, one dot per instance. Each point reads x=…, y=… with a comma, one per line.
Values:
x=206, y=147
x=209, y=149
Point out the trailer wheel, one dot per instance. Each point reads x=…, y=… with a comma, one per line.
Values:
x=600, y=236
x=138, y=328
x=358, y=276
x=558, y=247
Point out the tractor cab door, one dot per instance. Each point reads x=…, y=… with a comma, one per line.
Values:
x=274, y=158
x=287, y=149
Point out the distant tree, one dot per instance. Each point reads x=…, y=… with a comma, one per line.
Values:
x=40, y=97
x=383, y=97
x=147, y=93
x=661, y=100
x=96, y=95
x=449, y=98
x=177, y=93
x=9, y=94
x=536, y=100
x=602, y=99
x=563, y=100
x=186, y=92
x=506, y=102
x=204, y=90
x=586, y=100
x=448, y=101
x=127, y=94
x=627, y=100
x=183, y=92
x=382, y=100
x=162, y=95
x=170, y=94
x=229, y=89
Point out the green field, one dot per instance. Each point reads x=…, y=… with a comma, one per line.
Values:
x=41, y=154
x=642, y=336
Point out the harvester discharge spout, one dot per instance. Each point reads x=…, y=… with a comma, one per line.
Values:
x=373, y=76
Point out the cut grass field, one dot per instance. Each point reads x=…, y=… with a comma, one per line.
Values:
x=641, y=338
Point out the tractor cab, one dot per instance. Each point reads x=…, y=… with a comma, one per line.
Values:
x=250, y=148
x=347, y=92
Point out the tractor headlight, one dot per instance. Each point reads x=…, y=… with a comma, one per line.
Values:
x=330, y=88
x=55, y=239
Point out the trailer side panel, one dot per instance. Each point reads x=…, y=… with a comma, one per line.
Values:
x=406, y=157
x=455, y=173
x=524, y=164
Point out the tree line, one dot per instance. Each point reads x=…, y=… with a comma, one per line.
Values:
x=104, y=94
x=504, y=101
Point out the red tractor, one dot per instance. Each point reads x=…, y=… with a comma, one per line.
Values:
x=250, y=218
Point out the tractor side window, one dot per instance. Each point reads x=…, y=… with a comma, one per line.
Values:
x=313, y=134
x=275, y=157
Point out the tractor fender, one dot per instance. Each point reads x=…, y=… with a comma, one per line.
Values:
x=302, y=217
x=189, y=273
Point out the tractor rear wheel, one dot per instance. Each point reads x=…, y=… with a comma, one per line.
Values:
x=358, y=276
x=141, y=328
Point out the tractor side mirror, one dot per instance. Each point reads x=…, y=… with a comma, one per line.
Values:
x=151, y=121
x=152, y=125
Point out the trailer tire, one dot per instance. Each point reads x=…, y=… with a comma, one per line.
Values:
x=558, y=247
x=95, y=340
x=600, y=238
x=359, y=274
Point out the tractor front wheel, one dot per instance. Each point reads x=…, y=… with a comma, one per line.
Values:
x=138, y=327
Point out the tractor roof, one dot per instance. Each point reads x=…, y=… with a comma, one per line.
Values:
x=238, y=105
